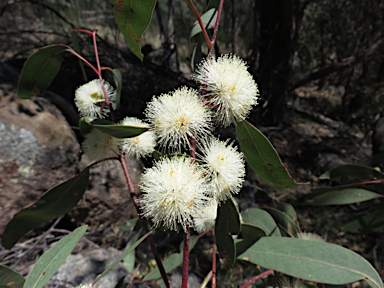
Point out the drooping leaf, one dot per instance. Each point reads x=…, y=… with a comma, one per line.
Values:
x=39, y=71
x=132, y=18
x=208, y=19
x=287, y=225
x=251, y=232
x=353, y=171
x=118, y=82
x=172, y=262
x=262, y=157
x=51, y=261
x=373, y=222
x=108, y=127
x=312, y=260
x=53, y=203
x=288, y=209
x=129, y=260
x=10, y=278
x=126, y=252
x=338, y=196
x=227, y=224
x=261, y=219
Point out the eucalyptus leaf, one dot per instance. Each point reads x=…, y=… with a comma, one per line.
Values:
x=10, y=278
x=262, y=157
x=39, y=71
x=50, y=262
x=353, y=171
x=118, y=82
x=108, y=127
x=208, y=19
x=372, y=222
x=335, y=196
x=312, y=261
x=132, y=18
x=287, y=225
x=261, y=219
x=55, y=202
x=129, y=260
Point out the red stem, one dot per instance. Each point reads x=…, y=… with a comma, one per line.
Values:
x=135, y=200
x=213, y=259
x=254, y=279
x=184, y=283
x=216, y=27
x=197, y=15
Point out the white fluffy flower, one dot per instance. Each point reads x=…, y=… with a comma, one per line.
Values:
x=230, y=88
x=178, y=116
x=207, y=217
x=225, y=166
x=89, y=98
x=174, y=192
x=88, y=285
x=98, y=145
x=141, y=145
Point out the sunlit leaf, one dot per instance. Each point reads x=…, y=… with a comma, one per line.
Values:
x=118, y=82
x=312, y=260
x=55, y=202
x=261, y=219
x=10, y=278
x=208, y=19
x=108, y=127
x=39, y=71
x=132, y=18
x=262, y=157
x=50, y=261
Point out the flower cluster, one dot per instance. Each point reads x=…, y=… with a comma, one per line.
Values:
x=181, y=190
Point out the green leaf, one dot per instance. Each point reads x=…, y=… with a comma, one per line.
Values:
x=351, y=170
x=261, y=219
x=373, y=222
x=51, y=261
x=10, y=278
x=53, y=203
x=172, y=262
x=227, y=224
x=84, y=125
x=115, y=130
x=337, y=196
x=251, y=232
x=129, y=225
x=126, y=252
x=118, y=82
x=129, y=260
x=132, y=18
x=208, y=18
x=287, y=225
x=312, y=260
x=288, y=209
x=262, y=157
x=39, y=71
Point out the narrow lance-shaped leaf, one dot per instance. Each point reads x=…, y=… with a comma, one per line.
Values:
x=312, y=260
x=208, y=19
x=10, y=278
x=227, y=224
x=55, y=202
x=262, y=157
x=50, y=261
x=132, y=18
x=337, y=196
x=172, y=262
x=108, y=127
x=351, y=170
x=39, y=71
